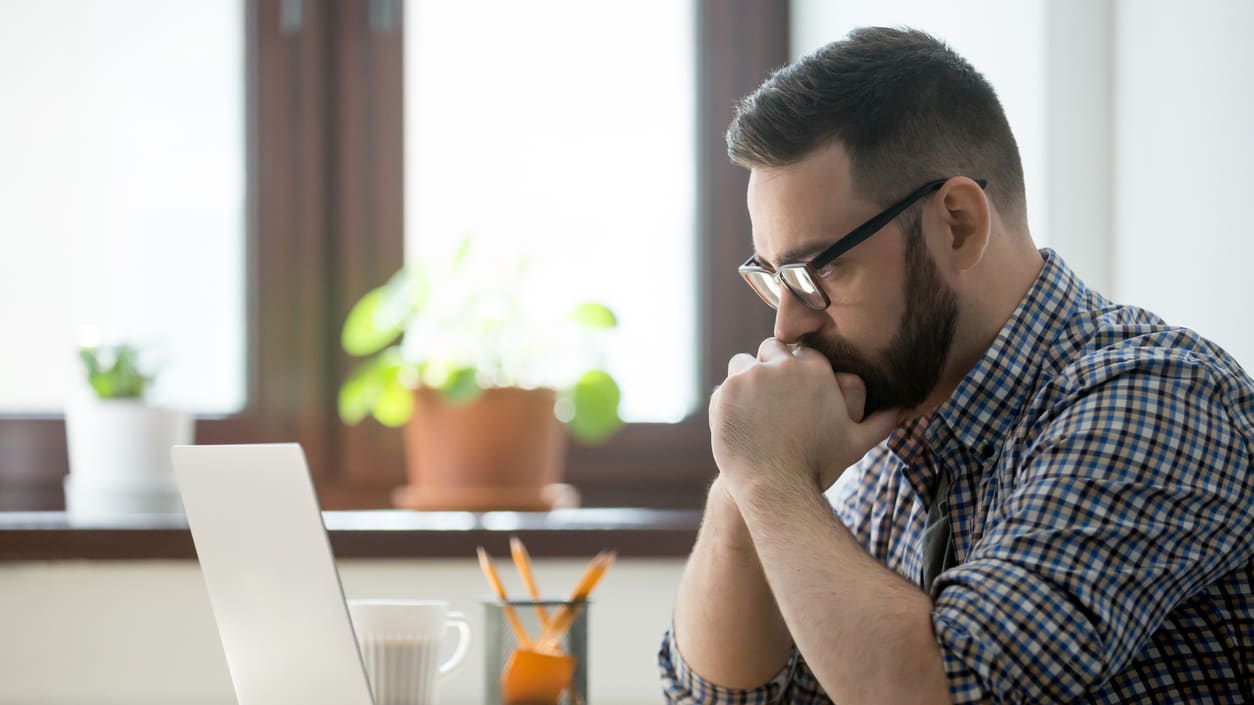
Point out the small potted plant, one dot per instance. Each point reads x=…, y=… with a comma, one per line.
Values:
x=482, y=370
x=119, y=444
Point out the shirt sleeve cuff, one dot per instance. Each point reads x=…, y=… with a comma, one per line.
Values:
x=683, y=686
x=964, y=683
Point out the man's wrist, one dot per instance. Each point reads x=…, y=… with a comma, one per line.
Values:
x=723, y=522
x=775, y=493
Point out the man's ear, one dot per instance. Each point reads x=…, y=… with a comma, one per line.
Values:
x=966, y=222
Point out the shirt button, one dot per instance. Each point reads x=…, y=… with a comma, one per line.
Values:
x=986, y=451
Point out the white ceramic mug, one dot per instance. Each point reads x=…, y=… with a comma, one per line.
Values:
x=400, y=643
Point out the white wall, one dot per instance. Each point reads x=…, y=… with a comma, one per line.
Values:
x=1184, y=162
x=1077, y=143
x=136, y=633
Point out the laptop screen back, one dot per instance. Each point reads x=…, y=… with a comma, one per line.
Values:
x=270, y=574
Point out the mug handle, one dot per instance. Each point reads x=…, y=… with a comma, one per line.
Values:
x=458, y=620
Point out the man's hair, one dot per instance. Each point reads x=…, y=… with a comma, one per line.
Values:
x=905, y=106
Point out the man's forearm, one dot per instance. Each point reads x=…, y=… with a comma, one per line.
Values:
x=727, y=626
x=866, y=632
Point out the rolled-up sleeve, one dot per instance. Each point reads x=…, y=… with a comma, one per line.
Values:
x=794, y=685
x=1131, y=500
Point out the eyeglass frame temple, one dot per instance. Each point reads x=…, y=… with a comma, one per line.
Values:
x=874, y=225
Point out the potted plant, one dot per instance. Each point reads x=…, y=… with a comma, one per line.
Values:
x=482, y=369
x=119, y=445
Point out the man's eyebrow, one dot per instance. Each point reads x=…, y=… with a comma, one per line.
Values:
x=803, y=253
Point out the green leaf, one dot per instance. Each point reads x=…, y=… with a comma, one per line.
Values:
x=365, y=331
x=461, y=386
x=103, y=386
x=595, y=397
x=592, y=315
x=395, y=404
x=88, y=356
x=113, y=371
x=361, y=392
x=128, y=381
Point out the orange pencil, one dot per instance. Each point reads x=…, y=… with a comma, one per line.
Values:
x=523, y=561
x=488, y=570
x=566, y=615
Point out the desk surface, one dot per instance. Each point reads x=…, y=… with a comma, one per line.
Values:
x=27, y=536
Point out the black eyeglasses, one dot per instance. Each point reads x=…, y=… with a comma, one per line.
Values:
x=802, y=278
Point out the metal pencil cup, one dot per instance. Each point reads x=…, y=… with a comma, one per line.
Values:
x=499, y=643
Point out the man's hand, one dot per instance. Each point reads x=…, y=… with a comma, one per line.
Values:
x=785, y=418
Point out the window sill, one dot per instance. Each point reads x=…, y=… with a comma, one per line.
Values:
x=644, y=533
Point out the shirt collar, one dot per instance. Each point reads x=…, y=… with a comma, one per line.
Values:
x=990, y=398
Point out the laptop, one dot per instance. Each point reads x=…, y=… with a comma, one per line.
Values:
x=270, y=574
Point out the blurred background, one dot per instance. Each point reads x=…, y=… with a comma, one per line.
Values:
x=221, y=179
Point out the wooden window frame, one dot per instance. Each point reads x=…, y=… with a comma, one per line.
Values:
x=325, y=164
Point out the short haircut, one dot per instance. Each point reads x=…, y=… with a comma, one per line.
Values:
x=905, y=106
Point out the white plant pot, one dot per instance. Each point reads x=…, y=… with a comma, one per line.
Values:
x=120, y=457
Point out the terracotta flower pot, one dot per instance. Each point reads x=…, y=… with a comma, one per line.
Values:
x=504, y=450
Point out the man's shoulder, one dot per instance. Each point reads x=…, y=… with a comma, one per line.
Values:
x=1134, y=371
x=1100, y=341
x=1147, y=349
x=1117, y=360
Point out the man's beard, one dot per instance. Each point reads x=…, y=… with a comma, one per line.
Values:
x=916, y=355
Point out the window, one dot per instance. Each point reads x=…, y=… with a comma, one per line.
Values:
x=146, y=227
x=586, y=165
x=323, y=204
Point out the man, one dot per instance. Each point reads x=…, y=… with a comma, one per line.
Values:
x=1048, y=496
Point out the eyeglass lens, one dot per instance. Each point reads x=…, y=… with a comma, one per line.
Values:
x=797, y=279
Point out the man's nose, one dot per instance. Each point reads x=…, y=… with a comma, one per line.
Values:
x=793, y=319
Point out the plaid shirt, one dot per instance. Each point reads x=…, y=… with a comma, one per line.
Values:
x=1102, y=510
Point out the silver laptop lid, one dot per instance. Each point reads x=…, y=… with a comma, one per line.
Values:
x=267, y=565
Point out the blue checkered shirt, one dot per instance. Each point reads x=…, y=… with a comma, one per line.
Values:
x=1102, y=510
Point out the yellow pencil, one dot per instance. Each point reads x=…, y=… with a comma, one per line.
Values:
x=523, y=561
x=495, y=581
x=566, y=615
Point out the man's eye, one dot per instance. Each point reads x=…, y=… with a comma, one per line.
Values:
x=827, y=270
